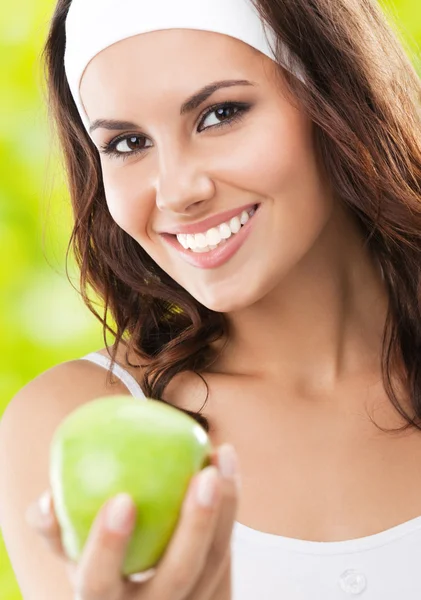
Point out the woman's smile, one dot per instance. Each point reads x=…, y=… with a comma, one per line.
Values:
x=209, y=256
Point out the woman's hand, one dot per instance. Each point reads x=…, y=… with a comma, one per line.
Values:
x=196, y=564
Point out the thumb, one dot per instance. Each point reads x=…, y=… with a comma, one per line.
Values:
x=100, y=567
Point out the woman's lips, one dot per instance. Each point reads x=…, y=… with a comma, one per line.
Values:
x=218, y=256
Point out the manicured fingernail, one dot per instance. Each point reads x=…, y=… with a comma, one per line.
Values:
x=228, y=463
x=39, y=513
x=142, y=577
x=119, y=516
x=206, y=488
x=44, y=504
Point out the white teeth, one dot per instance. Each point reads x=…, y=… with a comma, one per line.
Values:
x=191, y=241
x=182, y=238
x=203, y=242
x=206, y=249
x=225, y=231
x=213, y=236
x=235, y=225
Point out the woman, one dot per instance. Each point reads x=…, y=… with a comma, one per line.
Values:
x=248, y=208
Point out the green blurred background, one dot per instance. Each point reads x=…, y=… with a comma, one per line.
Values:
x=42, y=319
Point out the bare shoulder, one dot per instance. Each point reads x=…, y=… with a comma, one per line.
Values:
x=26, y=430
x=62, y=388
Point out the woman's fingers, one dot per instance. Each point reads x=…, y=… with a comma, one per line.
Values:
x=218, y=558
x=41, y=517
x=195, y=560
x=98, y=575
x=142, y=577
x=185, y=558
x=231, y=486
x=105, y=565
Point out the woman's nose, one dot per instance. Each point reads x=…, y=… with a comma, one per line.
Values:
x=181, y=183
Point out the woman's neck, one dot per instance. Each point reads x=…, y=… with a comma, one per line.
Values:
x=322, y=323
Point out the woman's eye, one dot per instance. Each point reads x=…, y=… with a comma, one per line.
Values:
x=218, y=115
x=134, y=143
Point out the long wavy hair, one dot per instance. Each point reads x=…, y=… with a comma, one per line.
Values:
x=362, y=95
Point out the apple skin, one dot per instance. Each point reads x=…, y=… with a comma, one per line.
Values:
x=114, y=444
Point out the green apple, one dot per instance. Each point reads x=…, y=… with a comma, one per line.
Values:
x=114, y=444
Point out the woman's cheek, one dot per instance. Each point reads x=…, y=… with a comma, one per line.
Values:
x=122, y=202
x=277, y=154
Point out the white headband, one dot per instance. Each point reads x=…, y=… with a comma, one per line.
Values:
x=93, y=25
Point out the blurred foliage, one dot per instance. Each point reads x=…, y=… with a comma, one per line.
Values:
x=42, y=319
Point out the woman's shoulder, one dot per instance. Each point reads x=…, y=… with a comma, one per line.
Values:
x=33, y=414
x=26, y=430
x=61, y=388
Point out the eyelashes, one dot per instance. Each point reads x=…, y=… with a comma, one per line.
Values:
x=111, y=148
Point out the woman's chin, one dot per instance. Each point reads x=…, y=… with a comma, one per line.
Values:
x=226, y=303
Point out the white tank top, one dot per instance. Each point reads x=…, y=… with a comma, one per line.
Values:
x=383, y=566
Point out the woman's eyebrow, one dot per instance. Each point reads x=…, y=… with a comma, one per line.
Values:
x=203, y=94
x=188, y=106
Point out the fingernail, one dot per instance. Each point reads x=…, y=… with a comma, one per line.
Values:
x=40, y=511
x=206, y=488
x=227, y=461
x=228, y=464
x=119, y=516
x=44, y=504
x=142, y=577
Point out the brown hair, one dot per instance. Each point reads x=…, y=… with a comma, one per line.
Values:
x=362, y=95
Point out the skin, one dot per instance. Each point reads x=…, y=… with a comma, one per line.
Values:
x=305, y=300
x=196, y=564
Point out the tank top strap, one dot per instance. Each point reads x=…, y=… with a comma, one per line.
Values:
x=128, y=379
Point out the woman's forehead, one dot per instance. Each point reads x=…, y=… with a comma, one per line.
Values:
x=170, y=62
x=173, y=51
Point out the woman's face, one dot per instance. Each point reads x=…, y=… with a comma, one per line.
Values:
x=244, y=145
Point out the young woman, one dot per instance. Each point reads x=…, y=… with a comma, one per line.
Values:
x=245, y=179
